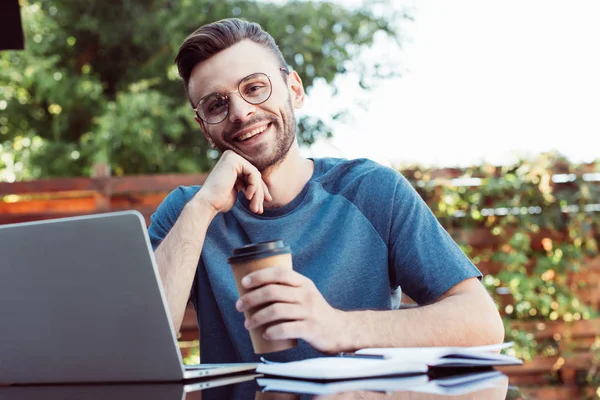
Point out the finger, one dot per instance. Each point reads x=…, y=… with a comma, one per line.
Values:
x=250, y=189
x=275, y=312
x=239, y=185
x=265, y=276
x=252, y=177
x=261, y=193
x=257, y=202
x=286, y=330
x=254, y=189
x=266, y=191
x=267, y=294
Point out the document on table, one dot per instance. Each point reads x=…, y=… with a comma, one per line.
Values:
x=454, y=385
x=393, y=361
x=449, y=356
x=329, y=368
x=374, y=384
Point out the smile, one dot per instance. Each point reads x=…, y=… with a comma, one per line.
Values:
x=252, y=133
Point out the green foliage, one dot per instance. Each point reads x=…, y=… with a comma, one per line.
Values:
x=542, y=234
x=97, y=81
x=191, y=351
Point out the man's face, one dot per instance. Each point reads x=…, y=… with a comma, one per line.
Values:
x=263, y=133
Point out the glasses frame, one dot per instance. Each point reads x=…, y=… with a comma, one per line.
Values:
x=226, y=96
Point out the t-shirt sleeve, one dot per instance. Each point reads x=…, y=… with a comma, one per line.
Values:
x=427, y=262
x=167, y=213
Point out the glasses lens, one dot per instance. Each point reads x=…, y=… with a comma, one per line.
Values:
x=256, y=88
x=213, y=108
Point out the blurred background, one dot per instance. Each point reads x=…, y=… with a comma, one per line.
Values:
x=435, y=83
x=479, y=81
x=490, y=110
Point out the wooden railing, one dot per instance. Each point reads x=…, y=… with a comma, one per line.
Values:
x=55, y=198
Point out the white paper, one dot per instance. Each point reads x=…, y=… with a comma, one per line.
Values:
x=327, y=368
x=376, y=385
x=435, y=356
x=399, y=361
x=459, y=384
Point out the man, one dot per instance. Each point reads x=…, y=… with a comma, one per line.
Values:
x=358, y=231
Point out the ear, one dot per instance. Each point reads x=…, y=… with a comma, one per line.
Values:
x=205, y=131
x=296, y=89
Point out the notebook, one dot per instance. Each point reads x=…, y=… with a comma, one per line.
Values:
x=81, y=301
x=460, y=384
x=374, y=362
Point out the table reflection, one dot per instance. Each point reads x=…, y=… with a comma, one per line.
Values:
x=485, y=385
x=251, y=387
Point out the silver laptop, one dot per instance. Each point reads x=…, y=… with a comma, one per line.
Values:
x=81, y=301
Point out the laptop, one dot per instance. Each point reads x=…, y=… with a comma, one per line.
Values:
x=81, y=302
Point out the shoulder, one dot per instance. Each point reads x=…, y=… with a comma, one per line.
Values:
x=168, y=211
x=174, y=202
x=180, y=196
x=348, y=177
x=380, y=194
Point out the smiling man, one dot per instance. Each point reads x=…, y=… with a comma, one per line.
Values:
x=358, y=231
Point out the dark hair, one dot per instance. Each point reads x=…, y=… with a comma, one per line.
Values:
x=212, y=38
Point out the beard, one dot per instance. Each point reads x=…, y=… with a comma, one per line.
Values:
x=264, y=158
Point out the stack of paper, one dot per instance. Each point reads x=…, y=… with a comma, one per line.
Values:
x=311, y=387
x=455, y=385
x=449, y=356
x=394, y=361
x=330, y=368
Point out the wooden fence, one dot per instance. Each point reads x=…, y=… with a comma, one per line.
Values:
x=62, y=197
x=54, y=198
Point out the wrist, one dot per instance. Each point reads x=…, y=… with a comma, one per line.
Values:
x=352, y=326
x=201, y=209
x=358, y=330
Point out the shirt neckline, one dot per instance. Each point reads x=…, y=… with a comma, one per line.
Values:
x=288, y=208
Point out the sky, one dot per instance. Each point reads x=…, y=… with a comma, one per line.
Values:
x=481, y=81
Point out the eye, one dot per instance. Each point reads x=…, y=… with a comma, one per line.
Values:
x=255, y=89
x=215, y=105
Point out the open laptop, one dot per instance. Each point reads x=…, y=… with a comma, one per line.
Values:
x=81, y=301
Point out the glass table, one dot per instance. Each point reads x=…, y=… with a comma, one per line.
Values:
x=488, y=384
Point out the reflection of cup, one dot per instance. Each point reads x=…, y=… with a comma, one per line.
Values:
x=254, y=257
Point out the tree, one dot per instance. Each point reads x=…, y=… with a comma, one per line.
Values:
x=97, y=82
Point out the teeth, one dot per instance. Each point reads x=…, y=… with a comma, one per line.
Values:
x=252, y=133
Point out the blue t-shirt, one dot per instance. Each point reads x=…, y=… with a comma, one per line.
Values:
x=357, y=229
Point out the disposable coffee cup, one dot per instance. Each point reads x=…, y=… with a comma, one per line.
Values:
x=254, y=257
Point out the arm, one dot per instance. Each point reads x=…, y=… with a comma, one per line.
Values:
x=464, y=316
x=178, y=253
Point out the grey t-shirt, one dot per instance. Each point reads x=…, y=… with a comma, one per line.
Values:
x=358, y=230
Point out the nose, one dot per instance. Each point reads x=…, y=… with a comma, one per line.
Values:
x=239, y=109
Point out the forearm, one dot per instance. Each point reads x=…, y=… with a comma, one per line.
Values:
x=178, y=254
x=466, y=319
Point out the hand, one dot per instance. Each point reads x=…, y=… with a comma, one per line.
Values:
x=294, y=306
x=232, y=174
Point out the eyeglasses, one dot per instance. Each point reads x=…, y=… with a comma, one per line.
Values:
x=254, y=89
